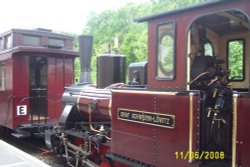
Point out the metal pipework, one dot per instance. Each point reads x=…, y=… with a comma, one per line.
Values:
x=85, y=50
x=77, y=151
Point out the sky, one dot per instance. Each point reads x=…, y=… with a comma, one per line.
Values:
x=59, y=15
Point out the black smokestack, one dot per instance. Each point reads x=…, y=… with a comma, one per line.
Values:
x=85, y=49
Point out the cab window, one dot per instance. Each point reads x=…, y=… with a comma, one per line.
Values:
x=208, y=49
x=236, y=59
x=166, y=51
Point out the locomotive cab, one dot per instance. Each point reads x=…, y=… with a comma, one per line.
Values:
x=220, y=42
x=198, y=79
x=217, y=66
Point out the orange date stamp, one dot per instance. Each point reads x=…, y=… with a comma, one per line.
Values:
x=196, y=155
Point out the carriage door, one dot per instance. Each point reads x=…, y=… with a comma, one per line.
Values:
x=38, y=89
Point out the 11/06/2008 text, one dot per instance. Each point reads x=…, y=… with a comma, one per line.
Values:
x=208, y=155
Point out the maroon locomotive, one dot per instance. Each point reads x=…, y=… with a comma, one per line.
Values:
x=35, y=66
x=187, y=106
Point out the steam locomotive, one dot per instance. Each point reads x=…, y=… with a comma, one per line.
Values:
x=188, y=105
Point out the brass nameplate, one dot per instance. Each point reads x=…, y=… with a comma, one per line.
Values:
x=154, y=119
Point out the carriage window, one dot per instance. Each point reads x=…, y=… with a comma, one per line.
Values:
x=1, y=44
x=166, y=52
x=56, y=42
x=38, y=72
x=8, y=41
x=31, y=40
x=236, y=60
x=1, y=77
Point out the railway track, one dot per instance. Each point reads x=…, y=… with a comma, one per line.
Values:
x=35, y=147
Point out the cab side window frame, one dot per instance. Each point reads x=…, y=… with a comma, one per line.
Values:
x=166, y=51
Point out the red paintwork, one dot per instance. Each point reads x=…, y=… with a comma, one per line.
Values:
x=20, y=87
x=151, y=144
x=102, y=99
x=243, y=135
x=53, y=96
x=45, y=35
x=183, y=20
x=6, y=98
x=68, y=71
x=17, y=89
x=156, y=145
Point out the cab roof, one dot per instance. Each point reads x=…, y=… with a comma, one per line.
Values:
x=184, y=9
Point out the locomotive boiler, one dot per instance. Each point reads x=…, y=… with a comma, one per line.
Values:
x=188, y=105
x=88, y=107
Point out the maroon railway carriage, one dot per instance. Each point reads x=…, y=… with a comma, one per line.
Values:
x=188, y=106
x=35, y=66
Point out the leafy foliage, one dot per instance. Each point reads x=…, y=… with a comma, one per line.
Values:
x=235, y=59
x=119, y=24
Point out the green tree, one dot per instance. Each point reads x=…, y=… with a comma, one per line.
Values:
x=163, y=5
x=235, y=59
x=119, y=23
x=77, y=67
x=110, y=24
